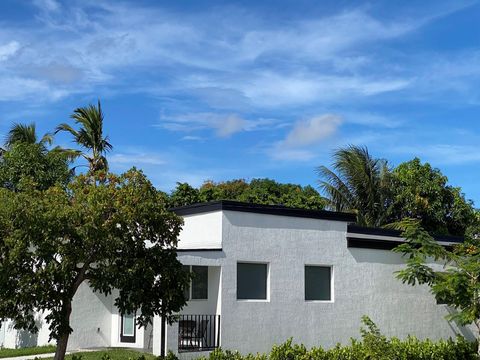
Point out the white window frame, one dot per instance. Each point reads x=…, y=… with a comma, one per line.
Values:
x=268, y=281
x=332, y=284
x=128, y=338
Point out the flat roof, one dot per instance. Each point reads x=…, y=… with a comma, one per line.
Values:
x=387, y=239
x=279, y=210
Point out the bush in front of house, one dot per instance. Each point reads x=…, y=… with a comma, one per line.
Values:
x=372, y=346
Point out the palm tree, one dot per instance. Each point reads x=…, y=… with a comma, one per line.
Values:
x=22, y=133
x=89, y=136
x=358, y=183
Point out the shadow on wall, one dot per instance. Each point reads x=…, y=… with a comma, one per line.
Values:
x=376, y=256
x=26, y=338
x=465, y=331
x=272, y=222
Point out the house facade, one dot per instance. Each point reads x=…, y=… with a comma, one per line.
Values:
x=276, y=273
x=264, y=274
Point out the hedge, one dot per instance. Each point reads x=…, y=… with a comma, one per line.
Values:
x=372, y=346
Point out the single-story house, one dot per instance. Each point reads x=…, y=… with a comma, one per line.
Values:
x=264, y=274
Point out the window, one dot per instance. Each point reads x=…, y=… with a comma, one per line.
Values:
x=198, y=288
x=252, y=281
x=127, y=332
x=318, y=283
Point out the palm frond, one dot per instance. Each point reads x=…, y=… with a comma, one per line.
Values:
x=21, y=133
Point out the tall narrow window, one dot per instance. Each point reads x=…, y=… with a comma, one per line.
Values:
x=186, y=289
x=200, y=283
x=252, y=281
x=127, y=333
x=198, y=288
x=318, y=283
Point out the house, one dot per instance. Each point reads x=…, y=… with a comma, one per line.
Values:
x=264, y=274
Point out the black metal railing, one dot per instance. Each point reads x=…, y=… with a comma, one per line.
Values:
x=198, y=332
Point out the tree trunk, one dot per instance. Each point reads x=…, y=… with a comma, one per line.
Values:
x=61, y=347
x=477, y=324
x=62, y=341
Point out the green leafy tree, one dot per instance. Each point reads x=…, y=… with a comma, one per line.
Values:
x=456, y=284
x=258, y=191
x=114, y=234
x=359, y=183
x=422, y=192
x=44, y=168
x=89, y=136
x=22, y=133
x=184, y=194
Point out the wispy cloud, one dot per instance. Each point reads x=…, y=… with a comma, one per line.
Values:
x=223, y=125
x=442, y=154
x=311, y=131
x=253, y=63
x=130, y=159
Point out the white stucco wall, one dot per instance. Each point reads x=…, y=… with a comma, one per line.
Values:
x=202, y=231
x=364, y=284
x=90, y=319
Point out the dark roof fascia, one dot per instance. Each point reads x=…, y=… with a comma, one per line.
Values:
x=353, y=229
x=353, y=242
x=199, y=250
x=263, y=209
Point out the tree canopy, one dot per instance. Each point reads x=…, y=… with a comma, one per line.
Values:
x=58, y=231
x=44, y=168
x=116, y=234
x=259, y=191
x=381, y=195
x=422, y=192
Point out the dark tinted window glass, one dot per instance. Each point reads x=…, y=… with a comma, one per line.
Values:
x=251, y=281
x=186, y=290
x=200, y=282
x=317, y=283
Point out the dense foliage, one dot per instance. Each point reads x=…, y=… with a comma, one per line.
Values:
x=115, y=234
x=58, y=232
x=456, y=283
x=259, y=191
x=372, y=346
x=422, y=192
x=45, y=168
x=381, y=195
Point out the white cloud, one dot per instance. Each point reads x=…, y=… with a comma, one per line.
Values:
x=224, y=125
x=47, y=5
x=103, y=41
x=311, y=131
x=230, y=60
x=8, y=50
x=136, y=158
x=441, y=154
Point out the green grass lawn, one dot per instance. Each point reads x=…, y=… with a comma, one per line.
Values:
x=114, y=354
x=27, y=351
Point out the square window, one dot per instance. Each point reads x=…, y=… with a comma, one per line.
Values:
x=318, y=283
x=252, y=281
x=200, y=283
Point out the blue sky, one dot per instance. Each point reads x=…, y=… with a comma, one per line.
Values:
x=197, y=90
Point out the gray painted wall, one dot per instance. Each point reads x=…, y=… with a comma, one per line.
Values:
x=364, y=284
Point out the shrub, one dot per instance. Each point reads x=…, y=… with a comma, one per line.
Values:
x=372, y=346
